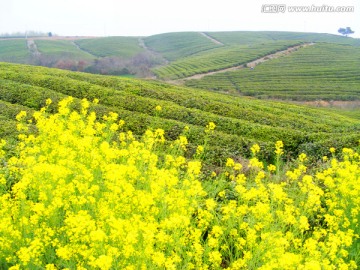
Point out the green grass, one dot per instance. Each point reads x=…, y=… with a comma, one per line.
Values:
x=219, y=58
x=253, y=37
x=124, y=47
x=14, y=50
x=322, y=71
x=61, y=49
x=240, y=121
x=178, y=45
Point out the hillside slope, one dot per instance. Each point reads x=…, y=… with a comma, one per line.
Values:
x=240, y=121
x=252, y=37
x=14, y=50
x=174, y=46
x=125, y=47
x=322, y=71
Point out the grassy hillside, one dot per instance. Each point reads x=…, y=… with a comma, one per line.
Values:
x=62, y=49
x=14, y=50
x=178, y=45
x=219, y=58
x=247, y=37
x=173, y=56
x=322, y=71
x=240, y=121
x=124, y=47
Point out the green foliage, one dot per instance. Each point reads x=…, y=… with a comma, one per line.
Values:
x=321, y=71
x=125, y=47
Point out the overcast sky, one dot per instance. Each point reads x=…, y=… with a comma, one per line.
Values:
x=148, y=17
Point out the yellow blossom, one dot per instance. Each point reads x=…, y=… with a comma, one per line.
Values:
x=199, y=149
x=255, y=149
x=230, y=163
x=271, y=168
x=210, y=127
x=279, y=148
x=21, y=115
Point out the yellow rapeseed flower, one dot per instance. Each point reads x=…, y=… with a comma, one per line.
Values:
x=210, y=127
x=21, y=115
x=48, y=101
x=230, y=163
x=271, y=168
x=199, y=149
x=255, y=149
x=279, y=148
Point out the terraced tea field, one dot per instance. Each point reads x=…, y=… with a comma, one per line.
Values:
x=142, y=173
x=322, y=71
x=178, y=45
x=125, y=47
x=219, y=58
x=326, y=71
x=14, y=51
x=253, y=37
x=62, y=49
x=240, y=121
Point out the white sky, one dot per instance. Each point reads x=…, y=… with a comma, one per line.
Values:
x=148, y=17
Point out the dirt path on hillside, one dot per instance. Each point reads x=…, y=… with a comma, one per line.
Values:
x=251, y=64
x=32, y=47
x=79, y=48
x=334, y=103
x=211, y=38
x=146, y=48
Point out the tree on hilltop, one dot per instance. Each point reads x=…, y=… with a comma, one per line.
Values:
x=346, y=31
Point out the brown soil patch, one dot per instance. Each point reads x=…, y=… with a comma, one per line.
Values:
x=336, y=103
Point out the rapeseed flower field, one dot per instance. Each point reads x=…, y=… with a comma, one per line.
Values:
x=82, y=193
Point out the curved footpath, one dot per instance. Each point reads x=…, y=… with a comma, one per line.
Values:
x=251, y=64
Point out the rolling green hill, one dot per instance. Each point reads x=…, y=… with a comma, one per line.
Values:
x=219, y=58
x=192, y=178
x=125, y=47
x=325, y=71
x=322, y=71
x=178, y=45
x=240, y=121
x=62, y=49
x=14, y=50
x=252, y=37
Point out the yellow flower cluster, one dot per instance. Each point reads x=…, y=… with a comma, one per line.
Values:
x=158, y=108
x=279, y=148
x=210, y=127
x=84, y=194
